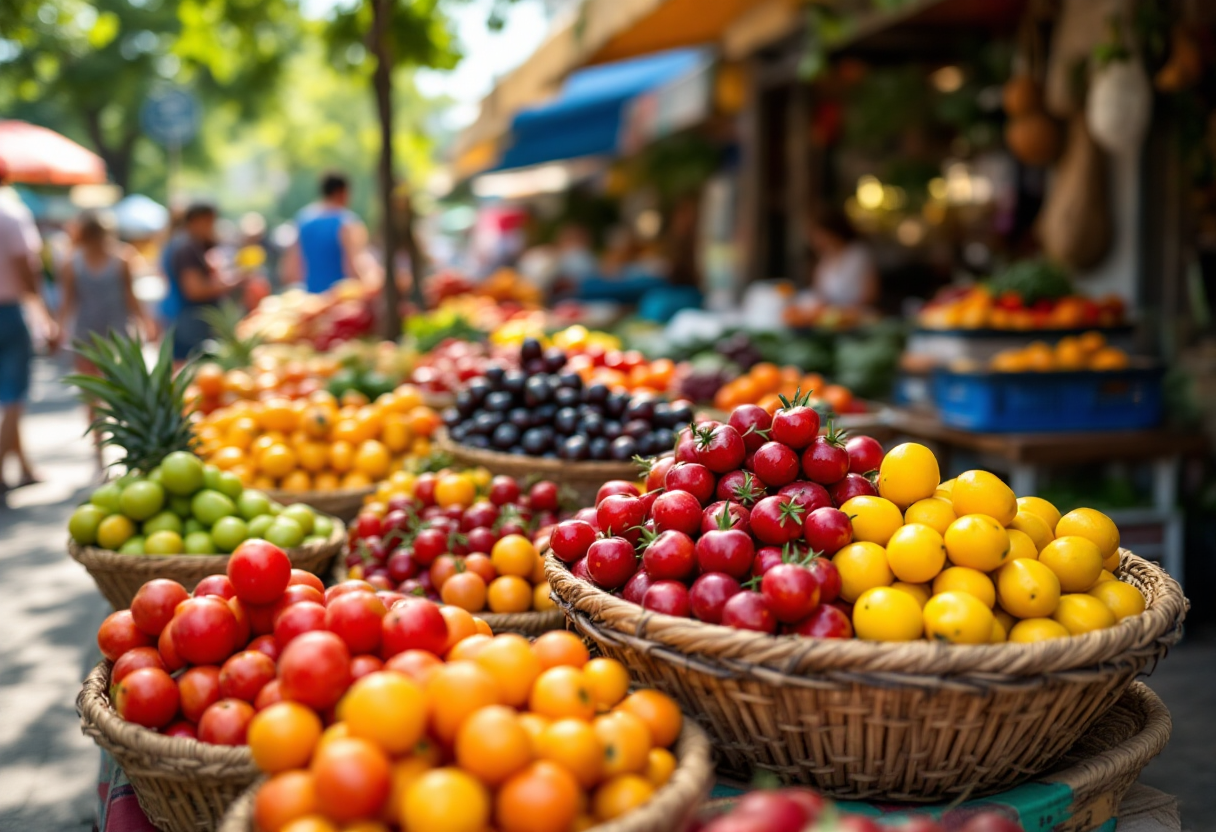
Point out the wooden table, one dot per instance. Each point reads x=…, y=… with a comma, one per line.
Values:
x=1025, y=455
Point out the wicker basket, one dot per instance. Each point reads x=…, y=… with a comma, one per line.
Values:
x=119, y=577
x=182, y=785
x=1098, y=771
x=911, y=721
x=670, y=810
x=582, y=478
x=343, y=503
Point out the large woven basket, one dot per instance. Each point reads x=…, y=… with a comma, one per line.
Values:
x=670, y=810
x=343, y=503
x=911, y=721
x=119, y=576
x=182, y=785
x=583, y=479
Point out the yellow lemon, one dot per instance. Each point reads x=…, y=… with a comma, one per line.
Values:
x=920, y=592
x=908, y=473
x=1106, y=575
x=916, y=553
x=999, y=635
x=862, y=566
x=1075, y=560
x=965, y=579
x=1111, y=563
x=1034, y=527
x=958, y=617
x=1080, y=613
x=114, y=531
x=1027, y=588
x=978, y=541
x=874, y=518
x=1048, y=513
x=1036, y=629
x=1007, y=620
x=981, y=492
x=1021, y=546
x=1122, y=599
x=933, y=512
x=886, y=614
x=1092, y=525
x=277, y=461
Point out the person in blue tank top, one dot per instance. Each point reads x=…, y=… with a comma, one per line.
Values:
x=332, y=241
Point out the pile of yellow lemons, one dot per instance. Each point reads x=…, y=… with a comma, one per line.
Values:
x=966, y=561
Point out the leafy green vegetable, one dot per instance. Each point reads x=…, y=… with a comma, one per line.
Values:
x=428, y=330
x=1033, y=280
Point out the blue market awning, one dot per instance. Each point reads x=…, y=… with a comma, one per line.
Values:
x=585, y=117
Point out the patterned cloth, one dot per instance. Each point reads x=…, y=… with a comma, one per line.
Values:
x=117, y=808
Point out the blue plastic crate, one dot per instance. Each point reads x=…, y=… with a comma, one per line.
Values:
x=1128, y=399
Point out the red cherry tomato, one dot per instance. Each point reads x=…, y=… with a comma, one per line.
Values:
x=259, y=571
x=244, y=675
x=225, y=722
x=118, y=634
x=205, y=631
x=147, y=697
x=154, y=603
x=315, y=669
x=136, y=659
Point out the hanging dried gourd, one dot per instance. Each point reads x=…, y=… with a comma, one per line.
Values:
x=1031, y=135
x=1185, y=66
x=1119, y=104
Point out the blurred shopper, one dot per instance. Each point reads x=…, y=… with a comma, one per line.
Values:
x=332, y=242
x=20, y=283
x=198, y=281
x=845, y=274
x=97, y=290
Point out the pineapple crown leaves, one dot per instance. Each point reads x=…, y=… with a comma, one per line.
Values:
x=834, y=437
x=232, y=350
x=139, y=409
x=800, y=399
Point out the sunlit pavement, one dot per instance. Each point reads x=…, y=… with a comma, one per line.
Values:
x=50, y=610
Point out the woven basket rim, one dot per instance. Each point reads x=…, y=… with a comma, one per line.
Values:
x=108, y=560
x=558, y=468
x=99, y=719
x=746, y=651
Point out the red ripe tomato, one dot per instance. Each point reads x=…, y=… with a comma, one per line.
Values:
x=244, y=675
x=361, y=666
x=297, y=619
x=215, y=585
x=356, y=618
x=168, y=650
x=304, y=578
x=147, y=697
x=199, y=687
x=826, y=621
x=271, y=693
x=118, y=634
x=314, y=669
x=259, y=616
x=265, y=644
x=543, y=496
x=571, y=539
x=205, y=631
x=259, y=571
x=136, y=659
x=296, y=593
x=244, y=629
x=413, y=624
x=345, y=587
x=153, y=606
x=182, y=729
x=615, y=487
x=503, y=490
x=225, y=722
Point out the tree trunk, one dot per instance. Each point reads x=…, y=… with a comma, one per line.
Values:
x=418, y=261
x=117, y=159
x=382, y=83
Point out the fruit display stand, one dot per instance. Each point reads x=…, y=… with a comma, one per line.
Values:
x=119, y=576
x=342, y=503
x=182, y=785
x=672, y=807
x=583, y=479
x=1085, y=791
x=912, y=721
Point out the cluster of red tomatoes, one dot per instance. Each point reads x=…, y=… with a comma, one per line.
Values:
x=201, y=665
x=417, y=545
x=732, y=525
x=802, y=810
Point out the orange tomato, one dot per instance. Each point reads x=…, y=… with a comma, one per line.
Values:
x=460, y=625
x=513, y=555
x=542, y=597
x=660, y=765
x=466, y=590
x=574, y=745
x=352, y=779
x=387, y=708
x=560, y=647
x=608, y=680
x=297, y=480
x=840, y=398
x=446, y=800
x=310, y=823
x=403, y=773
x=210, y=379
x=337, y=731
x=510, y=660
x=535, y=725
x=482, y=627
x=468, y=649
x=562, y=692
x=341, y=456
x=544, y=797
x=283, y=798
x=283, y=736
x=372, y=459
x=492, y=745
x=620, y=795
x=509, y=594
x=423, y=421
x=626, y=741
x=766, y=376
x=770, y=402
x=454, y=692
x=660, y=713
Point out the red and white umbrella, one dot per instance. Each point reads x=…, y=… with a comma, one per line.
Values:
x=34, y=155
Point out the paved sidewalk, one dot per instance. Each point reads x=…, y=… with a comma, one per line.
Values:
x=48, y=769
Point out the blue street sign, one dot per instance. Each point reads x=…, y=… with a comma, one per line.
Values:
x=171, y=116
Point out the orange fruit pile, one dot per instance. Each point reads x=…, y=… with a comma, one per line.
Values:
x=764, y=383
